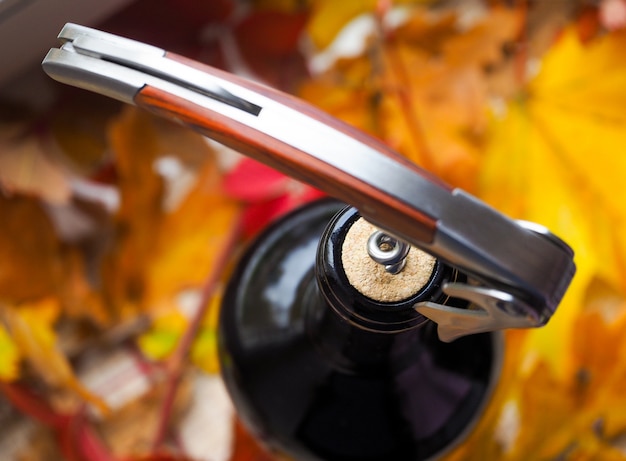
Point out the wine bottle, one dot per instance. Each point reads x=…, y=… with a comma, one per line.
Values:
x=320, y=371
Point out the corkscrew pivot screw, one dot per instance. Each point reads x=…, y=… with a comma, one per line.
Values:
x=388, y=251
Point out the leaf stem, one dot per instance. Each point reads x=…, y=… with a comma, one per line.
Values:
x=176, y=363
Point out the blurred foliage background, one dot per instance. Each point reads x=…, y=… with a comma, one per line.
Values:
x=117, y=229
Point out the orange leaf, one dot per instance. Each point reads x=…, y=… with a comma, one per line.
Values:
x=30, y=252
x=173, y=214
x=425, y=98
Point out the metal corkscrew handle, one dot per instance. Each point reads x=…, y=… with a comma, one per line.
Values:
x=520, y=271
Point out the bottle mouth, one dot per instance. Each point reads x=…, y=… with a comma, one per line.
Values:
x=359, y=288
x=382, y=268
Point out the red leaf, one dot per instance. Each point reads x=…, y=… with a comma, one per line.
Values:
x=269, y=194
x=252, y=181
x=259, y=215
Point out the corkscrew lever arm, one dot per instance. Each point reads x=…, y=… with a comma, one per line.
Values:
x=522, y=270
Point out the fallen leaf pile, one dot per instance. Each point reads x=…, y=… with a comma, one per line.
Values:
x=117, y=229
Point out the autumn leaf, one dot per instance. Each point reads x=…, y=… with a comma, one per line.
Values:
x=565, y=168
x=547, y=161
x=329, y=18
x=78, y=130
x=169, y=228
x=191, y=235
x=267, y=193
x=9, y=357
x=537, y=412
x=204, y=349
x=174, y=227
x=425, y=98
x=31, y=264
x=165, y=331
x=169, y=325
x=32, y=329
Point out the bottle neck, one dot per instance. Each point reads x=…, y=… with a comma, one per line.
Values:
x=365, y=312
x=357, y=332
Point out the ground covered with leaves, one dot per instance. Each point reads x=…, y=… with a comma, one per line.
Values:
x=118, y=230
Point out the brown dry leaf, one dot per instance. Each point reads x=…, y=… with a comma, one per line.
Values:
x=79, y=129
x=27, y=167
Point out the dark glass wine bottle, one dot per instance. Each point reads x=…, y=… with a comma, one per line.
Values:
x=318, y=371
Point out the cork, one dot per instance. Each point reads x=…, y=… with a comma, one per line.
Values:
x=371, y=279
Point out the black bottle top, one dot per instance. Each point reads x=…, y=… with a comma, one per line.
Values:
x=320, y=372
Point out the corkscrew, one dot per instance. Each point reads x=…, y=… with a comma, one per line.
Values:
x=517, y=272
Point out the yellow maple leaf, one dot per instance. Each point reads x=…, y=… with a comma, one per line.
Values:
x=548, y=161
x=555, y=158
